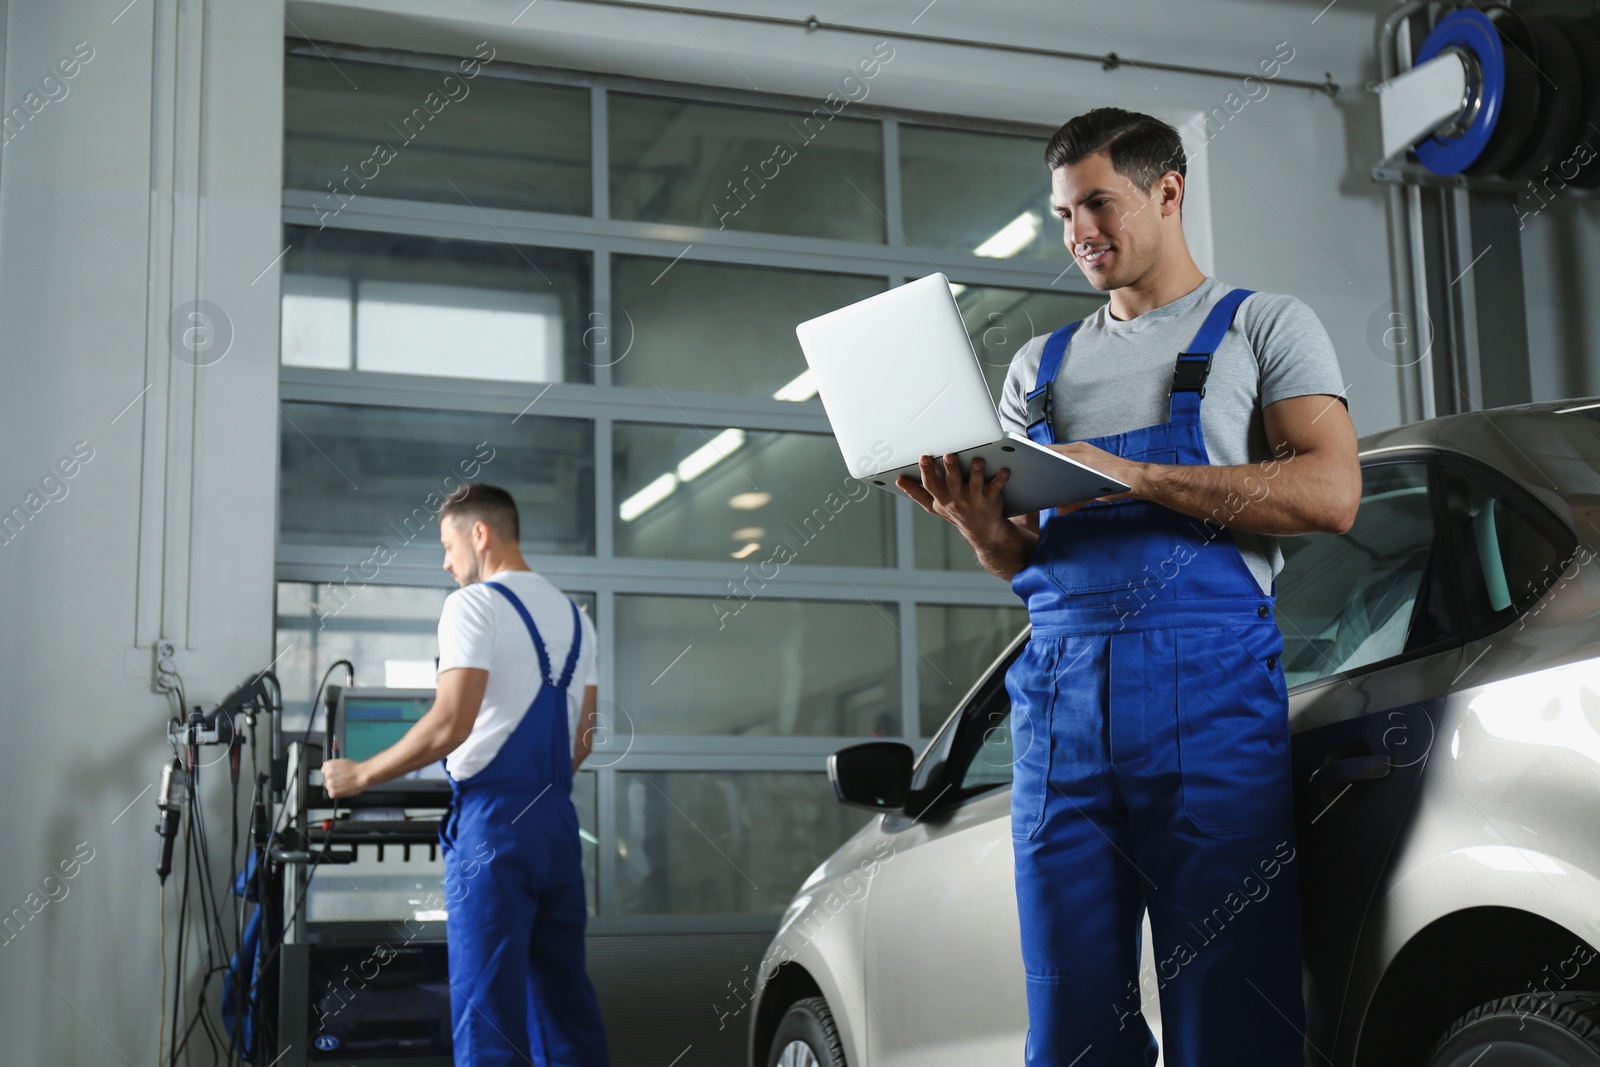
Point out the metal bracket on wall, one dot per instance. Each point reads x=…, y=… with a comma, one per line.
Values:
x=165, y=679
x=1413, y=174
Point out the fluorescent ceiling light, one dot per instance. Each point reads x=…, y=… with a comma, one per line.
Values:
x=750, y=501
x=1011, y=238
x=746, y=550
x=710, y=454
x=802, y=388
x=648, y=497
x=690, y=467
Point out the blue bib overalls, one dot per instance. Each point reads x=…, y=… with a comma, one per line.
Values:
x=513, y=881
x=1150, y=725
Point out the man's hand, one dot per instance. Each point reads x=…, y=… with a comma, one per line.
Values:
x=974, y=507
x=1311, y=485
x=1131, y=473
x=966, y=500
x=431, y=738
x=343, y=777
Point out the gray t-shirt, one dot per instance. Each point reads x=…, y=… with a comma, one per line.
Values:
x=1115, y=377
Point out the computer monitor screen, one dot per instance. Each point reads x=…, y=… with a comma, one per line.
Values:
x=372, y=720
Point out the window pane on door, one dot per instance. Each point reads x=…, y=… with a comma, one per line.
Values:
x=722, y=842
x=761, y=498
x=718, y=327
x=1508, y=550
x=354, y=300
x=746, y=169
x=404, y=133
x=981, y=193
x=1000, y=321
x=376, y=477
x=956, y=644
x=754, y=666
x=992, y=751
x=1347, y=600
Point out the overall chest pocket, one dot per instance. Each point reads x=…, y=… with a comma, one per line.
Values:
x=1102, y=547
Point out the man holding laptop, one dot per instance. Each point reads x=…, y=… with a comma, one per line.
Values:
x=1149, y=710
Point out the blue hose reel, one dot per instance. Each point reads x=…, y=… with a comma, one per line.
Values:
x=1532, y=99
x=1458, y=146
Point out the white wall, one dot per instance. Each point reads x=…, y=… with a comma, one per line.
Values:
x=138, y=191
x=1561, y=276
x=128, y=196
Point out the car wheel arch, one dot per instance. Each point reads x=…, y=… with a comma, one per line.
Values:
x=1454, y=964
x=789, y=982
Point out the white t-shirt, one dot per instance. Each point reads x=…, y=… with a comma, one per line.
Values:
x=479, y=628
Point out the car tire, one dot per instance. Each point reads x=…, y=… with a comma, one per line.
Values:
x=806, y=1037
x=1560, y=1029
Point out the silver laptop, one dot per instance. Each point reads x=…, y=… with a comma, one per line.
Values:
x=899, y=380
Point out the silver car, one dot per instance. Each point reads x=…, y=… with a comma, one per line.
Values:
x=1443, y=659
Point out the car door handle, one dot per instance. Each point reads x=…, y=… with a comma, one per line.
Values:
x=1354, y=769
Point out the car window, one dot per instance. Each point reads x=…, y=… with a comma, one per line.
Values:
x=990, y=763
x=1352, y=599
x=1508, y=549
x=973, y=755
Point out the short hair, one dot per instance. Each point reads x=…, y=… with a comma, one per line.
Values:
x=1142, y=148
x=490, y=504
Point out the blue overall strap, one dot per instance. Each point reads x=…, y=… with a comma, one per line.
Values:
x=533, y=631
x=1040, y=408
x=1194, y=363
x=572, y=653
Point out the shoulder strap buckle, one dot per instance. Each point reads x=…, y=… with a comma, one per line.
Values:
x=1040, y=406
x=1189, y=375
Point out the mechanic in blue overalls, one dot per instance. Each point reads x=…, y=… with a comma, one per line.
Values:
x=1149, y=709
x=513, y=650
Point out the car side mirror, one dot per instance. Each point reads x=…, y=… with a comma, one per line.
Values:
x=875, y=775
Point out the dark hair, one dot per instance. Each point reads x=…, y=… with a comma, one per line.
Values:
x=478, y=502
x=1142, y=148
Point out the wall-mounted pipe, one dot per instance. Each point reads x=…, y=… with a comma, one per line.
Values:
x=1106, y=60
x=1404, y=217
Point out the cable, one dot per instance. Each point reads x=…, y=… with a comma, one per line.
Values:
x=183, y=907
x=267, y=958
x=161, y=1013
x=316, y=701
x=210, y=923
x=267, y=904
x=183, y=929
x=197, y=853
x=222, y=952
x=305, y=890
